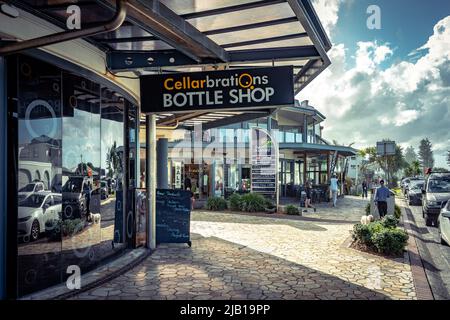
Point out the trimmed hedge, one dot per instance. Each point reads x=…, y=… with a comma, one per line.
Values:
x=292, y=210
x=390, y=241
x=381, y=236
x=235, y=202
x=56, y=228
x=253, y=202
x=216, y=204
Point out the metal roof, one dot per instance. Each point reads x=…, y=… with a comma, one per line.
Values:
x=193, y=35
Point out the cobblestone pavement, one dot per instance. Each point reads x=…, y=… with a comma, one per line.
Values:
x=265, y=257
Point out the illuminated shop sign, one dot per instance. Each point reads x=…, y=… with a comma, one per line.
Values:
x=229, y=89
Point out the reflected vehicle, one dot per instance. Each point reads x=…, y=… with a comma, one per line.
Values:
x=414, y=194
x=436, y=193
x=74, y=195
x=29, y=189
x=35, y=211
x=444, y=224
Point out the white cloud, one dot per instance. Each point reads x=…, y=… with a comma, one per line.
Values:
x=328, y=10
x=405, y=102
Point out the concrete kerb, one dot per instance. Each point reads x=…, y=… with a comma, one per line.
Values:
x=420, y=279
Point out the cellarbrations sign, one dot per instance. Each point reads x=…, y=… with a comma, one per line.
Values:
x=213, y=90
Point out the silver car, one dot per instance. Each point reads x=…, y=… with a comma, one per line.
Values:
x=34, y=211
x=444, y=224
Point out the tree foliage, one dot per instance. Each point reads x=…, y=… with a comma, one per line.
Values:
x=390, y=164
x=413, y=169
x=410, y=155
x=426, y=156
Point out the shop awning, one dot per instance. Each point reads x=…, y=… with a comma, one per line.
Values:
x=169, y=36
x=300, y=148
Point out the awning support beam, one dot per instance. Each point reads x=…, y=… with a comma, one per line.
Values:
x=155, y=18
x=111, y=25
x=128, y=60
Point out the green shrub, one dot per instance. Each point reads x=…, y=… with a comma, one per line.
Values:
x=381, y=236
x=72, y=227
x=55, y=228
x=292, y=210
x=235, y=202
x=253, y=202
x=375, y=227
x=390, y=222
x=216, y=204
x=397, y=212
x=362, y=234
x=390, y=241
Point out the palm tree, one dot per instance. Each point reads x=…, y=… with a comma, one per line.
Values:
x=113, y=160
x=336, y=143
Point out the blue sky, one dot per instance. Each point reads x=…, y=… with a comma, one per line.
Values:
x=405, y=24
x=389, y=83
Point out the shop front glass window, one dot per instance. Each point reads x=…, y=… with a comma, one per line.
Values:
x=39, y=155
x=71, y=167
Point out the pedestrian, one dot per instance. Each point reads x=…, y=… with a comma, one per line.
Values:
x=334, y=189
x=187, y=183
x=364, y=189
x=87, y=196
x=382, y=194
x=308, y=189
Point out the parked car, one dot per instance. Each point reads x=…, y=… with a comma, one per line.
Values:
x=414, y=194
x=407, y=181
x=435, y=195
x=444, y=224
x=29, y=189
x=74, y=195
x=412, y=183
x=34, y=211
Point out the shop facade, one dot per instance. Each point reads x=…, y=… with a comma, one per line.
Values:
x=216, y=162
x=73, y=165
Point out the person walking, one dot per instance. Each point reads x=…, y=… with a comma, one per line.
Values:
x=364, y=189
x=87, y=196
x=308, y=189
x=381, y=196
x=334, y=189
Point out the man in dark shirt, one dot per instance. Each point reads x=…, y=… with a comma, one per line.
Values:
x=381, y=197
x=364, y=189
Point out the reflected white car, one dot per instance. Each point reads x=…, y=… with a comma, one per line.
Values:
x=444, y=224
x=34, y=211
x=29, y=189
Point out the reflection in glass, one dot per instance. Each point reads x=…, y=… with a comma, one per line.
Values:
x=39, y=176
x=71, y=168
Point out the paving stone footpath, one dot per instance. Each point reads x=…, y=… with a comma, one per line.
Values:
x=242, y=256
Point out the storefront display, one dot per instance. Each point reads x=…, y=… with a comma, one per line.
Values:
x=71, y=157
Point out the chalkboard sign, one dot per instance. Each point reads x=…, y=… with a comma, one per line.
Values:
x=173, y=215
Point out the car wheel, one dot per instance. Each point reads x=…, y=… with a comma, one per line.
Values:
x=35, y=230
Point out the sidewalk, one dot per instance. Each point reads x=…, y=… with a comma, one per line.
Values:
x=235, y=256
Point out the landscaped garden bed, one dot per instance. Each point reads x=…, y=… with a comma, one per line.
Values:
x=381, y=237
x=249, y=202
